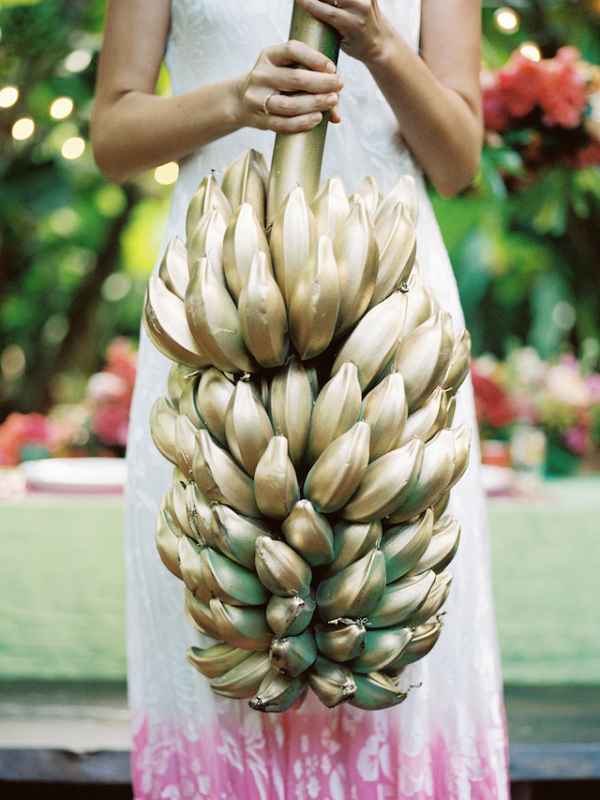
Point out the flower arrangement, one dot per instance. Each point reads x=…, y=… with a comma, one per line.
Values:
x=560, y=396
x=97, y=425
x=547, y=111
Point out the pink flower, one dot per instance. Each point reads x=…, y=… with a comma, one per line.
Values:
x=576, y=439
x=520, y=85
x=562, y=90
x=495, y=114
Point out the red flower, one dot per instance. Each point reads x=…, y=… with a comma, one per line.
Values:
x=495, y=114
x=520, y=85
x=491, y=402
x=562, y=90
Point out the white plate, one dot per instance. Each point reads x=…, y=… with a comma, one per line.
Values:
x=75, y=474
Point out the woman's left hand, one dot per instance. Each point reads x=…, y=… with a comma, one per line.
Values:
x=360, y=24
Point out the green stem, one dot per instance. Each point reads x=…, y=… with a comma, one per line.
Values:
x=297, y=157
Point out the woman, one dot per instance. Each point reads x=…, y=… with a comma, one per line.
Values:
x=407, y=100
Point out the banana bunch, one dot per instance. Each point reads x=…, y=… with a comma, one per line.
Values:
x=308, y=418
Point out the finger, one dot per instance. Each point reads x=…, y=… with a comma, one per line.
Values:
x=299, y=104
x=288, y=79
x=302, y=122
x=294, y=52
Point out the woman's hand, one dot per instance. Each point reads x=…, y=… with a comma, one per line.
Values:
x=289, y=88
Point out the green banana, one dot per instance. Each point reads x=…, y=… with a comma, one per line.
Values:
x=199, y=515
x=336, y=409
x=214, y=321
x=216, y=660
x=402, y=599
x=235, y=535
x=330, y=206
x=376, y=691
x=435, y=600
x=442, y=547
x=242, y=626
x=212, y=398
x=341, y=639
x=309, y=533
x=277, y=692
x=315, y=301
x=199, y=615
x=190, y=564
x=243, y=679
x=263, y=317
x=354, y=591
x=207, y=241
x=424, y=638
x=244, y=240
x=290, y=404
x=281, y=570
x=386, y=483
x=229, y=581
x=167, y=535
x=382, y=646
x=353, y=540
x=289, y=616
x=403, y=545
x=173, y=269
x=208, y=196
x=178, y=503
x=336, y=474
x=275, y=483
x=292, y=235
x=248, y=427
x=292, y=655
x=386, y=411
x=332, y=683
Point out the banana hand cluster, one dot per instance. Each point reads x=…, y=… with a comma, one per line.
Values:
x=308, y=419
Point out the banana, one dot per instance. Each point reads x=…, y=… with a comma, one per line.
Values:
x=357, y=256
x=207, y=196
x=278, y=693
x=442, y=547
x=423, y=357
x=314, y=302
x=435, y=600
x=177, y=380
x=438, y=467
x=263, y=317
x=178, y=504
x=420, y=303
x=275, y=482
x=216, y=660
x=199, y=615
x=424, y=638
x=281, y=570
x=397, y=242
x=373, y=342
x=386, y=483
x=243, y=679
x=382, y=646
x=235, y=535
x=336, y=474
x=386, y=411
x=440, y=506
x=242, y=626
x=230, y=582
x=245, y=181
x=354, y=591
x=291, y=655
x=402, y=599
x=403, y=545
x=330, y=206
x=451, y=410
x=375, y=691
x=309, y=533
x=292, y=236
x=353, y=540
x=187, y=400
x=337, y=408
x=190, y=564
x=341, y=639
x=213, y=395
x=404, y=191
x=199, y=515
x=163, y=418
x=167, y=535
x=458, y=369
x=244, y=240
x=247, y=426
x=332, y=683
x=173, y=269
x=370, y=192
x=290, y=404
x=167, y=327
x=219, y=478
x=185, y=444
x=429, y=418
x=462, y=448
x=214, y=320
x=289, y=616
x=207, y=241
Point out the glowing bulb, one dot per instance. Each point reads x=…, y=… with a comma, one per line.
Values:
x=73, y=147
x=61, y=108
x=531, y=51
x=506, y=20
x=23, y=129
x=8, y=96
x=166, y=173
x=78, y=60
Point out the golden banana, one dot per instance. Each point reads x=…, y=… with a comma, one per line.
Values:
x=247, y=426
x=275, y=483
x=403, y=545
x=309, y=533
x=330, y=206
x=173, y=269
x=354, y=591
x=292, y=655
x=217, y=659
x=281, y=570
x=244, y=240
x=292, y=235
x=290, y=404
x=336, y=409
x=386, y=411
x=332, y=683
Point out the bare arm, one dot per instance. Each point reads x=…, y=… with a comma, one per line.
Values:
x=134, y=130
x=434, y=94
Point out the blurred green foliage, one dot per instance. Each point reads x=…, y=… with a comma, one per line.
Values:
x=75, y=251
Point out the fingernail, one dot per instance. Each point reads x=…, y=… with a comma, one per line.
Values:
x=316, y=118
x=332, y=100
x=330, y=66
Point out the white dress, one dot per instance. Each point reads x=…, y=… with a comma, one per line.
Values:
x=448, y=739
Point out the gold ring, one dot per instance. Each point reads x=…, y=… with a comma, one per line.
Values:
x=266, y=100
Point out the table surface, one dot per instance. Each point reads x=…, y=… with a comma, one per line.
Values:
x=62, y=586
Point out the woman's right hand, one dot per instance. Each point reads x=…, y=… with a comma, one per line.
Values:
x=289, y=88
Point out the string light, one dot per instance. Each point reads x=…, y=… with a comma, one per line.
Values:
x=8, y=96
x=61, y=108
x=23, y=129
x=166, y=173
x=506, y=19
x=531, y=51
x=78, y=60
x=73, y=148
